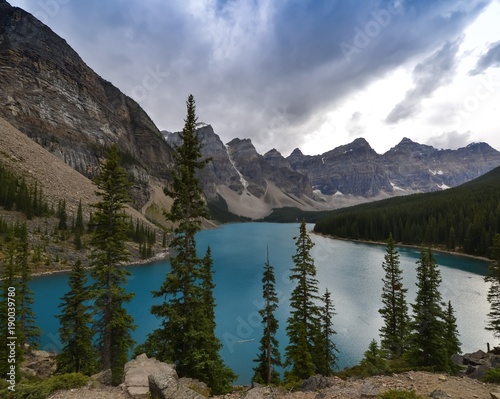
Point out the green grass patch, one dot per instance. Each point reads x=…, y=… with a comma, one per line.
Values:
x=37, y=388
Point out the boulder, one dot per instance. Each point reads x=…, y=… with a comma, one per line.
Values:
x=457, y=359
x=136, y=375
x=165, y=385
x=103, y=378
x=195, y=385
x=476, y=359
x=39, y=363
x=369, y=390
x=145, y=375
x=439, y=394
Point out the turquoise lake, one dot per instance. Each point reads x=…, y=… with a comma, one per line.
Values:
x=351, y=271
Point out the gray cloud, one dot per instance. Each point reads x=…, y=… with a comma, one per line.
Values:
x=354, y=125
x=261, y=69
x=452, y=140
x=435, y=71
x=490, y=59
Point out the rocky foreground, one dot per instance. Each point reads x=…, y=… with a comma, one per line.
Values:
x=144, y=376
x=425, y=384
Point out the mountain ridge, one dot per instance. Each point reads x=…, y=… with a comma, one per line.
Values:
x=52, y=96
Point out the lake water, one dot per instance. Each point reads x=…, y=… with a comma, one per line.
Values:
x=351, y=271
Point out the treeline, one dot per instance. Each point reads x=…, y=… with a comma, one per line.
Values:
x=464, y=218
x=16, y=194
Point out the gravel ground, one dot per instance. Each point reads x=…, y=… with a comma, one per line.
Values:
x=423, y=383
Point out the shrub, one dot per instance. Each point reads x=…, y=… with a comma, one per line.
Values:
x=492, y=375
x=41, y=389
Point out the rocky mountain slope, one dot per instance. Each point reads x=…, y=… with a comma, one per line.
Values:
x=51, y=95
x=409, y=167
x=253, y=184
x=250, y=184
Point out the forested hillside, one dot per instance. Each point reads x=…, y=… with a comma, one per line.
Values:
x=463, y=218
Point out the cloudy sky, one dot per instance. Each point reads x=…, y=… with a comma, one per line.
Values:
x=313, y=74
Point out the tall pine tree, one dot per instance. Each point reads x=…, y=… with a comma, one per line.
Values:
x=269, y=356
x=186, y=335
x=25, y=296
x=10, y=349
x=113, y=324
x=303, y=324
x=326, y=349
x=79, y=227
x=77, y=355
x=428, y=346
x=394, y=332
x=493, y=278
x=451, y=336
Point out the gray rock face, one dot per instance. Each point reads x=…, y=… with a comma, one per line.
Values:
x=145, y=375
x=239, y=166
x=220, y=170
x=249, y=163
x=256, y=169
x=51, y=95
x=409, y=167
x=350, y=169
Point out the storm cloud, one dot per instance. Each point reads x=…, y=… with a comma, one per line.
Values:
x=263, y=69
x=428, y=76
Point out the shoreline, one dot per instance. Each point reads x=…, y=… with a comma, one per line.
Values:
x=140, y=262
x=443, y=251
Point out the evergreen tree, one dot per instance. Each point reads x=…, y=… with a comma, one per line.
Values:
x=493, y=278
x=394, y=332
x=185, y=335
x=451, y=336
x=326, y=348
x=25, y=296
x=79, y=227
x=206, y=362
x=269, y=355
x=427, y=342
x=77, y=355
x=373, y=360
x=9, y=309
x=303, y=325
x=113, y=324
x=62, y=215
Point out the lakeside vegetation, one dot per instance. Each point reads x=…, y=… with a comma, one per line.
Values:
x=465, y=218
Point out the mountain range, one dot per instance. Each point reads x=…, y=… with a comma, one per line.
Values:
x=253, y=184
x=51, y=95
